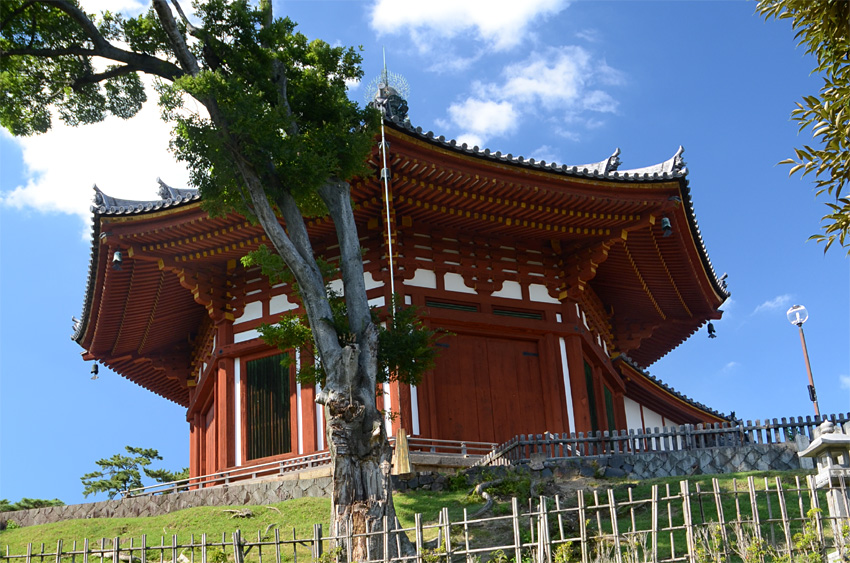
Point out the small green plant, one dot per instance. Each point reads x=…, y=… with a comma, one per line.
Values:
x=216, y=555
x=457, y=482
x=434, y=555
x=807, y=543
x=499, y=556
x=564, y=553
x=330, y=556
x=11, y=525
x=709, y=543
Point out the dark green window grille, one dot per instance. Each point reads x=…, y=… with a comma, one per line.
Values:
x=591, y=397
x=267, y=405
x=451, y=306
x=518, y=314
x=609, y=408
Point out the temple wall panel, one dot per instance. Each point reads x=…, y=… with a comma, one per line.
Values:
x=634, y=418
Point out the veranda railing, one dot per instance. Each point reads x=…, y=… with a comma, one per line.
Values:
x=416, y=444
x=668, y=438
x=665, y=523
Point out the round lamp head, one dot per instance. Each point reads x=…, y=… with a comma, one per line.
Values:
x=797, y=315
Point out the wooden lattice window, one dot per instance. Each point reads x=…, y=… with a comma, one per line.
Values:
x=267, y=408
x=609, y=409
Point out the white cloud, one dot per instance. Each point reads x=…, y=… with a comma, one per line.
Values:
x=545, y=152
x=729, y=367
x=500, y=24
x=558, y=80
x=844, y=381
x=778, y=302
x=484, y=118
x=123, y=157
x=130, y=7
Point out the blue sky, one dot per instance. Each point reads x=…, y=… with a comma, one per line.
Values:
x=565, y=82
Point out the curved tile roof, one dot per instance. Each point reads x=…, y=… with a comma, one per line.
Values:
x=658, y=383
x=674, y=168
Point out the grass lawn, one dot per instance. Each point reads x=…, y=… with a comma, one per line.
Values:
x=633, y=512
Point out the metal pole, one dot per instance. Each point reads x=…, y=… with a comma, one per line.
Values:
x=812, y=394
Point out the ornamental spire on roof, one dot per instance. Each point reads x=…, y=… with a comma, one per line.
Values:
x=389, y=92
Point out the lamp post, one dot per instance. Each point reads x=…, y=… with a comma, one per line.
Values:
x=797, y=315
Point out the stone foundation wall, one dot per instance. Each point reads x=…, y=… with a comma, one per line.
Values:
x=754, y=457
x=264, y=492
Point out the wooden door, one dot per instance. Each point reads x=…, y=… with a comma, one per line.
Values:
x=485, y=388
x=208, y=463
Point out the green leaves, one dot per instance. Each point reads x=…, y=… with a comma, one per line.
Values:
x=46, y=61
x=823, y=27
x=122, y=472
x=406, y=350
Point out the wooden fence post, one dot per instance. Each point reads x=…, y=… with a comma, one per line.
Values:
x=317, y=542
x=654, y=523
x=448, y=533
x=754, y=507
x=515, y=522
x=615, y=527
x=385, y=536
x=721, y=517
x=783, y=511
x=418, y=520
x=582, y=526
x=689, y=523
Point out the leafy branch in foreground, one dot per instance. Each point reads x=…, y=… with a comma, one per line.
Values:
x=823, y=28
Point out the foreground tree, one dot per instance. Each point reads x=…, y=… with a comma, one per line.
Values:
x=823, y=27
x=276, y=139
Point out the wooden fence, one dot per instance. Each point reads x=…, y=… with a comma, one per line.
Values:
x=416, y=444
x=688, y=521
x=668, y=438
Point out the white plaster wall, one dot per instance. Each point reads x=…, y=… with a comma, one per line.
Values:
x=510, y=290
x=669, y=423
x=455, y=282
x=245, y=336
x=423, y=278
x=633, y=420
x=651, y=421
x=540, y=293
x=253, y=311
x=280, y=304
x=371, y=283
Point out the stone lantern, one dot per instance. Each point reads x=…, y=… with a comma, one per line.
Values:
x=831, y=452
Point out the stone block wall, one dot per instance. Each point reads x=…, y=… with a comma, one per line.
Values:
x=753, y=457
x=264, y=492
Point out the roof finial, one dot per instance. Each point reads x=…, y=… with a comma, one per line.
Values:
x=389, y=92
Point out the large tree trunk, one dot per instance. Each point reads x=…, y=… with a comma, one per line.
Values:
x=361, y=456
x=361, y=459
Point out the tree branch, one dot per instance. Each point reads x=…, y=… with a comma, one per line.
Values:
x=49, y=53
x=337, y=197
x=112, y=73
x=178, y=43
x=194, y=31
x=102, y=48
x=279, y=75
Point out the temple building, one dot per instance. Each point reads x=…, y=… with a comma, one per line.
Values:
x=559, y=286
